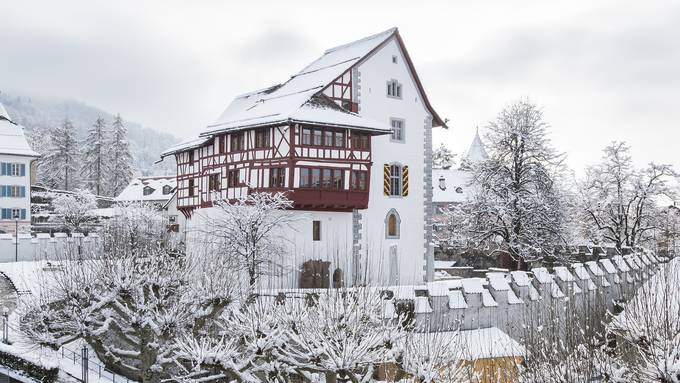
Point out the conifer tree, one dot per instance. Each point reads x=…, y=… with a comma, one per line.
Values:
x=120, y=158
x=58, y=165
x=95, y=165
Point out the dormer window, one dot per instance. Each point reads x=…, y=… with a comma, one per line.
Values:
x=459, y=190
x=442, y=183
x=393, y=89
x=167, y=189
x=148, y=190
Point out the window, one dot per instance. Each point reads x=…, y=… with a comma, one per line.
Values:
x=361, y=141
x=223, y=144
x=214, y=182
x=322, y=178
x=394, y=59
x=393, y=89
x=191, y=155
x=12, y=169
x=316, y=230
x=234, y=178
x=262, y=138
x=395, y=180
x=12, y=191
x=392, y=224
x=148, y=190
x=237, y=142
x=359, y=178
x=14, y=213
x=277, y=178
x=397, y=129
x=323, y=137
x=167, y=189
x=191, y=187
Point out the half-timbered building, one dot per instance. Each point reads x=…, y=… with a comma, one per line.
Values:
x=349, y=139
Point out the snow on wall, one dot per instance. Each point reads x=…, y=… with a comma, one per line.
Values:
x=42, y=246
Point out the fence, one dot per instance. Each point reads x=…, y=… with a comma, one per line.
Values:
x=89, y=368
x=43, y=245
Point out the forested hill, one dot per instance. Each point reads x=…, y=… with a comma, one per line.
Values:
x=37, y=114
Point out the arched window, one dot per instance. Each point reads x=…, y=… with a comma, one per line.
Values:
x=392, y=224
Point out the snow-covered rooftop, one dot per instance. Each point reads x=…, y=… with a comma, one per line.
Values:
x=12, y=138
x=451, y=185
x=155, y=187
x=300, y=98
x=488, y=343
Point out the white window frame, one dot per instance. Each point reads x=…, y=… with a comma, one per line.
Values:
x=394, y=89
x=397, y=180
x=15, y=169
x=402, y=130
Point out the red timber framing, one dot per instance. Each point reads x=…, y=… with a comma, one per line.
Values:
x=278, y=152
x=340, y=91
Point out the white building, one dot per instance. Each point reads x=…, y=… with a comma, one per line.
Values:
x=158, y=189
x=15, y=176
x=349, y=138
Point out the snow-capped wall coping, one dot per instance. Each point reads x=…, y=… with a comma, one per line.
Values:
x=43, y=245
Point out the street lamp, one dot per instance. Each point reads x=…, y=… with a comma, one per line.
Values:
x=5, y=325
x=16, y=237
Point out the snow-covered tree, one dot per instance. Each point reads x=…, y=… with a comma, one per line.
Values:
x=248, y=232
x=120, y=158
x=443, y=157
x=95, y=164
x=59, y=164
x=649, y=329
x=75, y=210
x=619, y=201
x=132, y=305
x=517, y=202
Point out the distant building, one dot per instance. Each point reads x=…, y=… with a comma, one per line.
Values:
x=16, y=157
x=157, y=190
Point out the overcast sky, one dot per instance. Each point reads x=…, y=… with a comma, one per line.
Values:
x=601, y=70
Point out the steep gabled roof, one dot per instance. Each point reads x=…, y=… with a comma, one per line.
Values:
x=477, y=152
x=12, y=138
x=290, y=101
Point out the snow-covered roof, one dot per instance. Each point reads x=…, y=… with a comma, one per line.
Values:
x=300, y=99
x=488, y=343
x=135, y=190
x=191, y=142
x=451, y=185
x=12, y=138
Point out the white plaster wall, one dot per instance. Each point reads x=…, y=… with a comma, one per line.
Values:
x=12, y=202
x=335, y=244
x=374, y=103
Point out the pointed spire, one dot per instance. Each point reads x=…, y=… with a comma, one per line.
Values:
x=477, y=151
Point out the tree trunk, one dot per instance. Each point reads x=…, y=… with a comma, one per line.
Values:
x=331, y=377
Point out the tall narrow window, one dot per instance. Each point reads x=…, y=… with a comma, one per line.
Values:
x=277, y=178
x=214, y=182
x=306, y=136
x=316, y=230
x=392, y=224
x=191, y=187
x=262, y=138
x=339, y=139
x=237, y=142
x=316, y=178
x=304, y=178
x=397, y=129
x=317, y=137
x=191, y=155
x=234, y=178
x=395, y=180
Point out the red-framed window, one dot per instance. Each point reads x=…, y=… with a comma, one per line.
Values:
x=234, y=178
x=322, y=178
x=361, y=140
x=323, y=137
x=237, y=142
x=191, y=155
x=277, y=178
x=191, y=187
x=262, y=138
x=214, y=182
x=359, y=180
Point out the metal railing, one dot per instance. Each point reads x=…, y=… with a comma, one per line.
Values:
x=89, y=367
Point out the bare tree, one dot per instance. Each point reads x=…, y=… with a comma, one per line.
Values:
x=75, y=210
x=248, y=231
x=620, y=201
x=517, y=203
x=131, y=304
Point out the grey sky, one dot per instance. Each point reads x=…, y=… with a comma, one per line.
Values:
x=601, y=70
